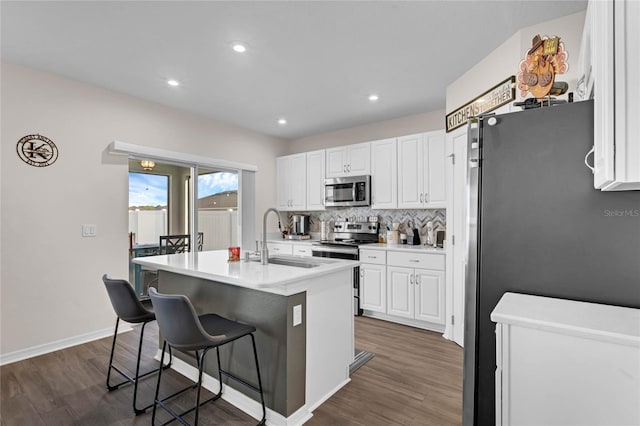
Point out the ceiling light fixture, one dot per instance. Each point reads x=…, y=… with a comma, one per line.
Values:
x=173, y=83
x=147, y=165
x=239, y=47
x=373, y=98
x=282, y=121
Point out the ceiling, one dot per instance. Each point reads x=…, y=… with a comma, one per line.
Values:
x=314, y=63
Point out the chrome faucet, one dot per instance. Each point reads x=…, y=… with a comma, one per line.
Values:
x=264, y=254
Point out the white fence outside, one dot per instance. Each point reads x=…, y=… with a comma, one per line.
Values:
x=220, y=227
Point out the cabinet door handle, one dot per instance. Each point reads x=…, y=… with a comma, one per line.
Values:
x=586, y=160
x=421, y=197
x=349, y=168
x=426, y=200
x=344, y=168
x=411, y=279
x=362, y=275
x=372, y=257
x=414, y=260
x=417, y=279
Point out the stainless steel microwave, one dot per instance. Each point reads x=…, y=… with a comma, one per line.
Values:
x=348, y=191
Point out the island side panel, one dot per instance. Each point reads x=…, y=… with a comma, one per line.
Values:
x=268, y=313
x=330, y=330
x=296, y=345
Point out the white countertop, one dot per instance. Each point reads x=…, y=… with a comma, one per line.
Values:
x=591, y=320
x=374, y=246
x=213, y=265
x=403, y=247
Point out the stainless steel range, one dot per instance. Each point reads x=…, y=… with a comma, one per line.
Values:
x=347, y=236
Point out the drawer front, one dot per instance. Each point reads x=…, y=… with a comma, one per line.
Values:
x=302, y=250
x=377, y=257
x=416, y=260
x=280, y=248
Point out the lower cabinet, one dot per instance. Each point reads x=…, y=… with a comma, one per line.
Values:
x=416, y=294
x=404, y=286
x=373, y=287
x=280, y=248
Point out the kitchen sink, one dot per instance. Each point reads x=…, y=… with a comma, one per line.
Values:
x=294, y=261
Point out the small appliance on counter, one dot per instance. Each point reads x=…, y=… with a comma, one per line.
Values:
x=300, y=224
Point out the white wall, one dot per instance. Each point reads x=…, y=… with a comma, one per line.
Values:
x=417, y=123
x=505, y=60
x=50, y=278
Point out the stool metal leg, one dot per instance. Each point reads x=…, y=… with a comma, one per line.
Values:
x=255, y=355
x=136, y=378
x=113, y=347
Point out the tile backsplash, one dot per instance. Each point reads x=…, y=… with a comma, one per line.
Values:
x=407, y=218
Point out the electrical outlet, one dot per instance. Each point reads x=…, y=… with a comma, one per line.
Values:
x=297, y=315
x=89, y=230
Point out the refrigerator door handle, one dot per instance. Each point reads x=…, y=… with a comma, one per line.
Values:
x=586, y=160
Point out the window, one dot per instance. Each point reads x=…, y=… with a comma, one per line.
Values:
x=217, y=207
x=148, y=206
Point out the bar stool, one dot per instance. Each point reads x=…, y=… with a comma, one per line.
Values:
x=128, y=308
x=183, y=329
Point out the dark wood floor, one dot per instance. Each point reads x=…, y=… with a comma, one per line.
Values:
x=415, y=378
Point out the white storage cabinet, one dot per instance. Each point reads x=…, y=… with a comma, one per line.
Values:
x=563, y=362
x=315, y=180
x=349, y=160
x=373, y=280
x=415, y=286
x=291, y=178
x=384, y=174
x=611, y=63
x=421, y=171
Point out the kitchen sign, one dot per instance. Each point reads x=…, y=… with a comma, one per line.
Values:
x=500, y=94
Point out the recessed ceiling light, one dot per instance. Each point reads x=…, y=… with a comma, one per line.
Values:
x=174, y=83
x=239, y=47
x=373, y=98
x=282, y=121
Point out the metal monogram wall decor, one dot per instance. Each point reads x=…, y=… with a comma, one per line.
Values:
x=37, y=150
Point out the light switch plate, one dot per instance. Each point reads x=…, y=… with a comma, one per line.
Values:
x=89, y=230
x=297, y=315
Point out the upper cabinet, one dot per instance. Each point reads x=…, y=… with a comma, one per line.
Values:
x=421, y=171
x=291, y=178
x=384, y=174
x=349, y=160
x=611, y=43
x=315, y=179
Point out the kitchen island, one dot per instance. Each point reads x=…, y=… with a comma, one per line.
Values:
x=304, y=320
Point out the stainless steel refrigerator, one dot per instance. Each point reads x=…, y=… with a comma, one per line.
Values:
x=537, y=226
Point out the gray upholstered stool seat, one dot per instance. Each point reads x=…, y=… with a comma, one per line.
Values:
x=128, y=308
x=183, y=329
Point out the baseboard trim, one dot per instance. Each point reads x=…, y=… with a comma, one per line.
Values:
x=329, y=395
x=68, y=342
x=406, y=321
x=238, y=399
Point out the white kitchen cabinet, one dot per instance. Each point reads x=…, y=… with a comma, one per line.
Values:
x=384, y=174
x=565, y=362
x=279, y=248
x=304, y=250
x=400, y=291
x=416, y=293
x=421, y=171
x=291, y=178
x=613, y=38
x=413, y=290
x=373, y=287
x=429, y=296
x=349, y=160
x=315, y=180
